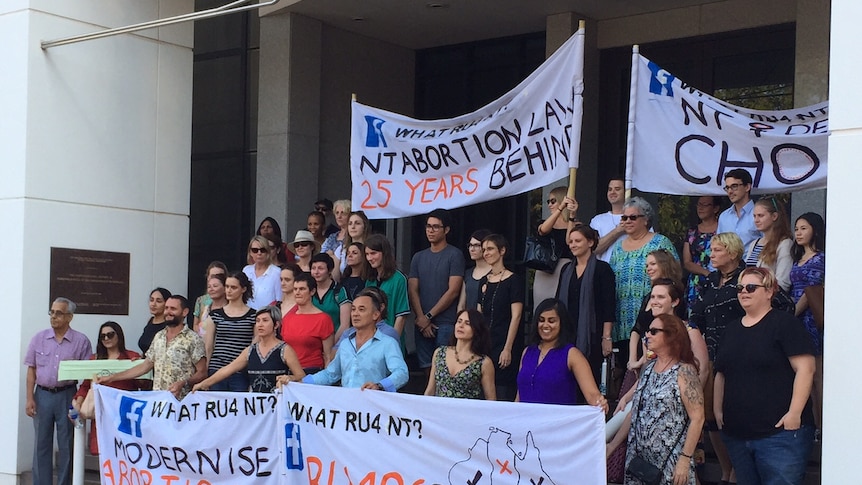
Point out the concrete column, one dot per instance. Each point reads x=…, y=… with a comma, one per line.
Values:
x=288, y=120
x=95, y=143
x=558, y=29
x=841, y=426
x=811, y=83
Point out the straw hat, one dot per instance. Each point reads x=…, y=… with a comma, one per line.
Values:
x=305, y=236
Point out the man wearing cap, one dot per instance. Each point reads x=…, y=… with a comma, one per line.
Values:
x=48, y=398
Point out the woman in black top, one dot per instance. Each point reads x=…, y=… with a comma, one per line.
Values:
x=587, y=288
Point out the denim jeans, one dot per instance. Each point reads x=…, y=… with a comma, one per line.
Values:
x=425, y=347
x=779, y=459
x=235, y=383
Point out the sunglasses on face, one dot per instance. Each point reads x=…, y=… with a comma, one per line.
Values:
x=258, y=250
x=551, y=201
x=108, y=335
x=302, y=244
x=631, y=218
x=654, y=331
x=749, y=288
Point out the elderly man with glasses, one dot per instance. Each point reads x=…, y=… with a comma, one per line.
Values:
x=47, y=397
x=738, y=218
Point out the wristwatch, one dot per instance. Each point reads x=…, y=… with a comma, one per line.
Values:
x=429, y=316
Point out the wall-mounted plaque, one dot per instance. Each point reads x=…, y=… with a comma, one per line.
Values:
x=97, y=281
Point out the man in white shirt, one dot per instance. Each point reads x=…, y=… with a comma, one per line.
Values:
x=608, y=223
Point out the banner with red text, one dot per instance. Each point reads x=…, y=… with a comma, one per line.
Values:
x=336, y=436
x=685, y=140
x=150, y=438
x=526, y=139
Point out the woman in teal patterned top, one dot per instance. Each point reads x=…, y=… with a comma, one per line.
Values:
x=628, y=260
x=463, y=369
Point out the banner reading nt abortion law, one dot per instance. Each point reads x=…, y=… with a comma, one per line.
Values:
x=685, y=140
x=318, y=435
x=526, y=139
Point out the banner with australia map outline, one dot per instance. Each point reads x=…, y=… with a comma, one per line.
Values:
x=336, y=436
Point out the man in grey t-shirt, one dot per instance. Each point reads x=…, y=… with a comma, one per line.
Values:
x=433, y=287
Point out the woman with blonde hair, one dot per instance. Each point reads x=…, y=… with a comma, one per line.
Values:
x=264, y=276
x=561, y=218
x=336, y=243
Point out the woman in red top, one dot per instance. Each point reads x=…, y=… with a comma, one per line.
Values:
x=308, y=329
x=110, y=344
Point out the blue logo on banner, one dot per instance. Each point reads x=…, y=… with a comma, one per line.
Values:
x=131, y=414
x=373, y=132
x=293, y=447
x=660, y=81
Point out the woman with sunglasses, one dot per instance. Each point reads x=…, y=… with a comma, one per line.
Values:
x=628, y=260
x=264, y=276
x=561, y=216
x=667, y=411
x=267, y=361
x=772, y=250
x=305, y=248
x=110, y=345
x=764, y=372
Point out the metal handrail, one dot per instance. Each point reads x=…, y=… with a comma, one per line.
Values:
x=233, y=7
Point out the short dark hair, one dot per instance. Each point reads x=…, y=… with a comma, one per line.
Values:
x=324, y=202
x=184, y=302
x=323, y=258
x=303, y=276
x=621, y=178
x=441, y=214
x=741, y=174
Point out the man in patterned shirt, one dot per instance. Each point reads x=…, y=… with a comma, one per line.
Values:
x=176, y=356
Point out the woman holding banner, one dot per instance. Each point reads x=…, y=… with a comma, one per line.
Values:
x=562, y=215
x=463, y=369
x=553, y=370
x=267, y=361
x=110, y=345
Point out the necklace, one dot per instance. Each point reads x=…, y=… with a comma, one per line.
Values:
x=493, y=298
x=666, y=367
x=462, y=362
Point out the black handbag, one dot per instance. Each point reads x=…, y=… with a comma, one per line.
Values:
x=644, y=471
x=541, y=253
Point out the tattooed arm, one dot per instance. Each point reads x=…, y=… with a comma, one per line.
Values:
x=691, y=392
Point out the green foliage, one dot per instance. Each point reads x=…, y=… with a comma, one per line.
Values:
x=673, y=218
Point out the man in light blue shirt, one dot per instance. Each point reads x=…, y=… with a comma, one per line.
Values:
x=367, y=359
x=738, y=218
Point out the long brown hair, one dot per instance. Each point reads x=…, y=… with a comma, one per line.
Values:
x=778, y=232
x=677, y=339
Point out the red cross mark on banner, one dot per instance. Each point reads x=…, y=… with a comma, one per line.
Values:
x=504, y=467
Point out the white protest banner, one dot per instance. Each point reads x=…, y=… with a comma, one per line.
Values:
x=526, y=139
x=150, y=438
x=685, y=140
x=337, y=436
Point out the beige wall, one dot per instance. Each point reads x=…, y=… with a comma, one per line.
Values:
x=308, y=71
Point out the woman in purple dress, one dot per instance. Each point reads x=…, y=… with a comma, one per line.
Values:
x=809, y=271
x=553, y=370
